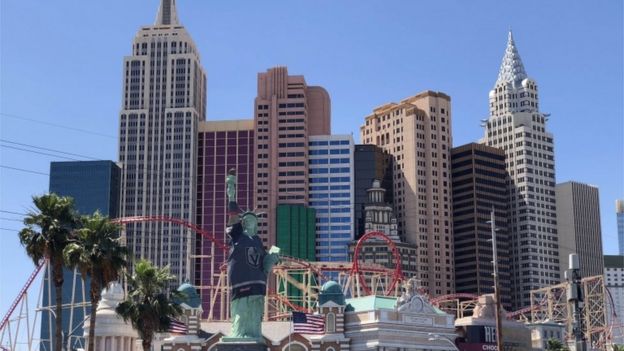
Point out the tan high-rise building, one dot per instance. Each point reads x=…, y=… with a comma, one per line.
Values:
x=164, y=98
x=287, y=113
x=417, y=132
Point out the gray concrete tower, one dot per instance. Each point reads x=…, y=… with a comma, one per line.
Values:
x=164, y=98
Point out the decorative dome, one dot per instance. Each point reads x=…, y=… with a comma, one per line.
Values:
x=331, y=291
x=108, y=323
x=192, y=298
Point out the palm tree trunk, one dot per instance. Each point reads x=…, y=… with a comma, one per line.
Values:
x=95, y=298
x=57, y=272
x=147, y=344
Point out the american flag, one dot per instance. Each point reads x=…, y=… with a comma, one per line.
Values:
x=177, y=327
x=308, y=323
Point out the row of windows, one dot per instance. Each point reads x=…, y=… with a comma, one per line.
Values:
x=333, y=187
x=329, y=142
x=330, y=203
x=331, y=179
x=330, y=195
x=330, y=152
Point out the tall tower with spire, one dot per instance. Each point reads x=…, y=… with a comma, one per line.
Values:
x=164, y=98
x=517, y=126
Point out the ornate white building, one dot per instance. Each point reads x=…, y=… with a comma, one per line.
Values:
x=518, y=127
x=378, y=215
x=111, y=332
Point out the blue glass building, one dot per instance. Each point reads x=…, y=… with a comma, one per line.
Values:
x=94, y=185
x=331, y=194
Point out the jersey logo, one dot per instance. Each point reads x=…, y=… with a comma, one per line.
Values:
x=253, y=257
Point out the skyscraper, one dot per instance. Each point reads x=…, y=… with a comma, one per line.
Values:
x=518, y=127
x=94, y=186
x=331, y=194
x=287, y=113
x=163, y=101
x=417, y=133
x=479, y=185
x=370, y=163
x=619, y=212
x=578, y=225
x=222, y=145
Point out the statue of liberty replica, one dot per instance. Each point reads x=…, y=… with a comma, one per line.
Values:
x=248, y=268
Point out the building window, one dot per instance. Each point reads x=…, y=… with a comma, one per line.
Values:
x=295, y=346
x=330, y=320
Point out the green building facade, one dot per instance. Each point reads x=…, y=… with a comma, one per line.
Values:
x=296, y=231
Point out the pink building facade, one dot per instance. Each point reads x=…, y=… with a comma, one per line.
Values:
x=286, y=113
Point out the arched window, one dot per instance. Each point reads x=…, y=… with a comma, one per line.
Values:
x=330, y=323
x=295, y=346
x=330, y=349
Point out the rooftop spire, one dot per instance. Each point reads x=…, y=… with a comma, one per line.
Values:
x=167, y=13
x=512, y=69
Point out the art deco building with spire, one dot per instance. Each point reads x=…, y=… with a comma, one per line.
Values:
x=164, y=98
x=517, y=126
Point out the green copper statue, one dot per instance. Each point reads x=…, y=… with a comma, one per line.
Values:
x=248, y=268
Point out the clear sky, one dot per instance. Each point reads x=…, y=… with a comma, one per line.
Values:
x=61, y=63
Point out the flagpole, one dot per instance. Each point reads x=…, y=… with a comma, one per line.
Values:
x=291, y=329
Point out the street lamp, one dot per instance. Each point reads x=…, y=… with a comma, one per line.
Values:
x=438, y=337
x=50, y=310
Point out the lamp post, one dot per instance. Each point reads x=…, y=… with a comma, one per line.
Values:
x=499, y=328
x=438, y=337
x=50, y=310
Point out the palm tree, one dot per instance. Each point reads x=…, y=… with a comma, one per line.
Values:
x=45, y=236
x=555, y=345
x=148, y=307
x=95, y=250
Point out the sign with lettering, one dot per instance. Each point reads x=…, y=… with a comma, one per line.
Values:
x=418, y=320
x=483, y=338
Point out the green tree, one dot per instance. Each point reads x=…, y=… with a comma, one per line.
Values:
x=555, y=345
x=45, y=236
x=95, y=250
x=147, y=306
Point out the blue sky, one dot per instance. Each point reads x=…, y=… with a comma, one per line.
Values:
x=61, y=63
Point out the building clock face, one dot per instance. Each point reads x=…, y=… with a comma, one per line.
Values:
x=417, y=303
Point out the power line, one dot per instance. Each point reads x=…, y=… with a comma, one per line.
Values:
x=24, y=170
x=10, y=219
x=15, y=213
x=56, y=125
x=39, y=152
x=10, y=230
x=47, y=149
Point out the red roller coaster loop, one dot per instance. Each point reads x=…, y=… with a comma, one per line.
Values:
x=397, y=275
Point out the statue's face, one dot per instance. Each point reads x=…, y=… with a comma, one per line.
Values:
x=250, y=224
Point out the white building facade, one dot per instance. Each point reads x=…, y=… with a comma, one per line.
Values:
x=164, y=98
x=332, y=194
x=614, y=281
x=518, y=127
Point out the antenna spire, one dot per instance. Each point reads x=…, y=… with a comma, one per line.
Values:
x=167, y=14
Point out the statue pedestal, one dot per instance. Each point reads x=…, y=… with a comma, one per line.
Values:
x=239, y=344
